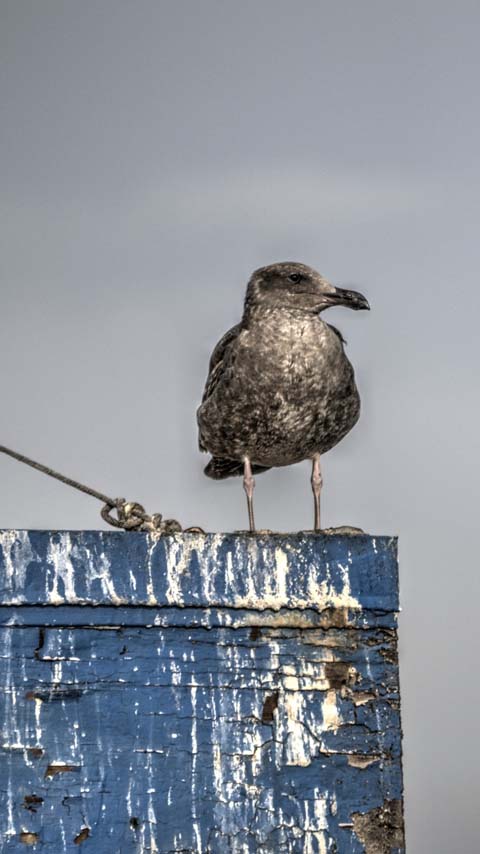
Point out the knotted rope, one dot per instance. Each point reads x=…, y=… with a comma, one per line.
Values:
x=130, y=515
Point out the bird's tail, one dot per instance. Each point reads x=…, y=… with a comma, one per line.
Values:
x=219, y=469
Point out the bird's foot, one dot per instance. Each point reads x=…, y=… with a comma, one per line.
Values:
x=342, y=529
x=256, y=532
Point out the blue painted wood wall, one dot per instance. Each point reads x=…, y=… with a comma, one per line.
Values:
x=199, y=694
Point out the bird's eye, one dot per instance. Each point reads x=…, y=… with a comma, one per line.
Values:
x=295, y=278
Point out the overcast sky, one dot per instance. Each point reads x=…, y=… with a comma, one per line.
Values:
x=152, y=155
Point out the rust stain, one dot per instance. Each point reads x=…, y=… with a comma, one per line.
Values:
x=339, y=674
x=35, y=752
x=82, y=836
x=381, y=829
x=335, y=618
x=31, y=802
x=390, y=654
x=28, y=838
x=269, y=706
x=59, y=768
x=53, y=694
x=255, y=633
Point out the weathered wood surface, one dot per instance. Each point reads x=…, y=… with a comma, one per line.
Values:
x=199, y=694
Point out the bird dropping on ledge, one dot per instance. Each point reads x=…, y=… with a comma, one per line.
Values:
x=280, y=388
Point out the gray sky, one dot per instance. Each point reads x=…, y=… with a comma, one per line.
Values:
x=153, y=154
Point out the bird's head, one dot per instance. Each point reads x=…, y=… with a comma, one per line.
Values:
x=292, y=285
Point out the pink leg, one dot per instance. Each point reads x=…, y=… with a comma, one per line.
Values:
x=317, y=482
x=249, y=485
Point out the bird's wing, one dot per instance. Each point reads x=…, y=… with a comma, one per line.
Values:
x=217, y=360
x=216, y=368
x=337, y=332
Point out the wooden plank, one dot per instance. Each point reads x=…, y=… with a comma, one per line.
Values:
x=256, y=730
x=213, y=570
x=86, y=615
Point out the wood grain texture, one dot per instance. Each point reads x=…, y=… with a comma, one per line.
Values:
x=222, y=694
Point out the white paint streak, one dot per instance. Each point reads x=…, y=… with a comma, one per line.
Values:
x=196, y=824
x=59, y=558
x=325, y=595
x=17, y=554
x=299, y=745
x=229, y=574
x=176, y=565
x=282, y=568
x=107, y=580
x=38, y=725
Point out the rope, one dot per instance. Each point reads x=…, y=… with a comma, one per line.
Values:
x=130, y=514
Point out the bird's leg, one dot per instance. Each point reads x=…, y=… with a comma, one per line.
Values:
x=249, y=486
x=317, y=482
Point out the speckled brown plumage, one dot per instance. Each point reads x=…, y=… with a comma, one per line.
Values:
x=280, y=388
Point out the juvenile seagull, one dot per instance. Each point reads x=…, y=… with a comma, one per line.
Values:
x=280, y=388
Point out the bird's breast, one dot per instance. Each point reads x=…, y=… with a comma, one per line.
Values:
x=286, y=356
x=287, y=392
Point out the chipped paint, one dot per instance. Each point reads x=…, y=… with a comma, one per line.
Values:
x=380, y=830
x=361, y=761
x=126, y=726
x=272, y=572
x=328, y=595
x=330, y=713
x=27, y=838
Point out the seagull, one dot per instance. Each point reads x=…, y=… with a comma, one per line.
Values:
x=280, y=388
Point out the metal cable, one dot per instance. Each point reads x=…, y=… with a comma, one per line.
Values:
x=130, y=514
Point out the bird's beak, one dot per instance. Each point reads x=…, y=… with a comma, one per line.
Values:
x=351, y=299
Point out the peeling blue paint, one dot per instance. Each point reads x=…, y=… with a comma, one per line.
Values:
x=258, y=713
